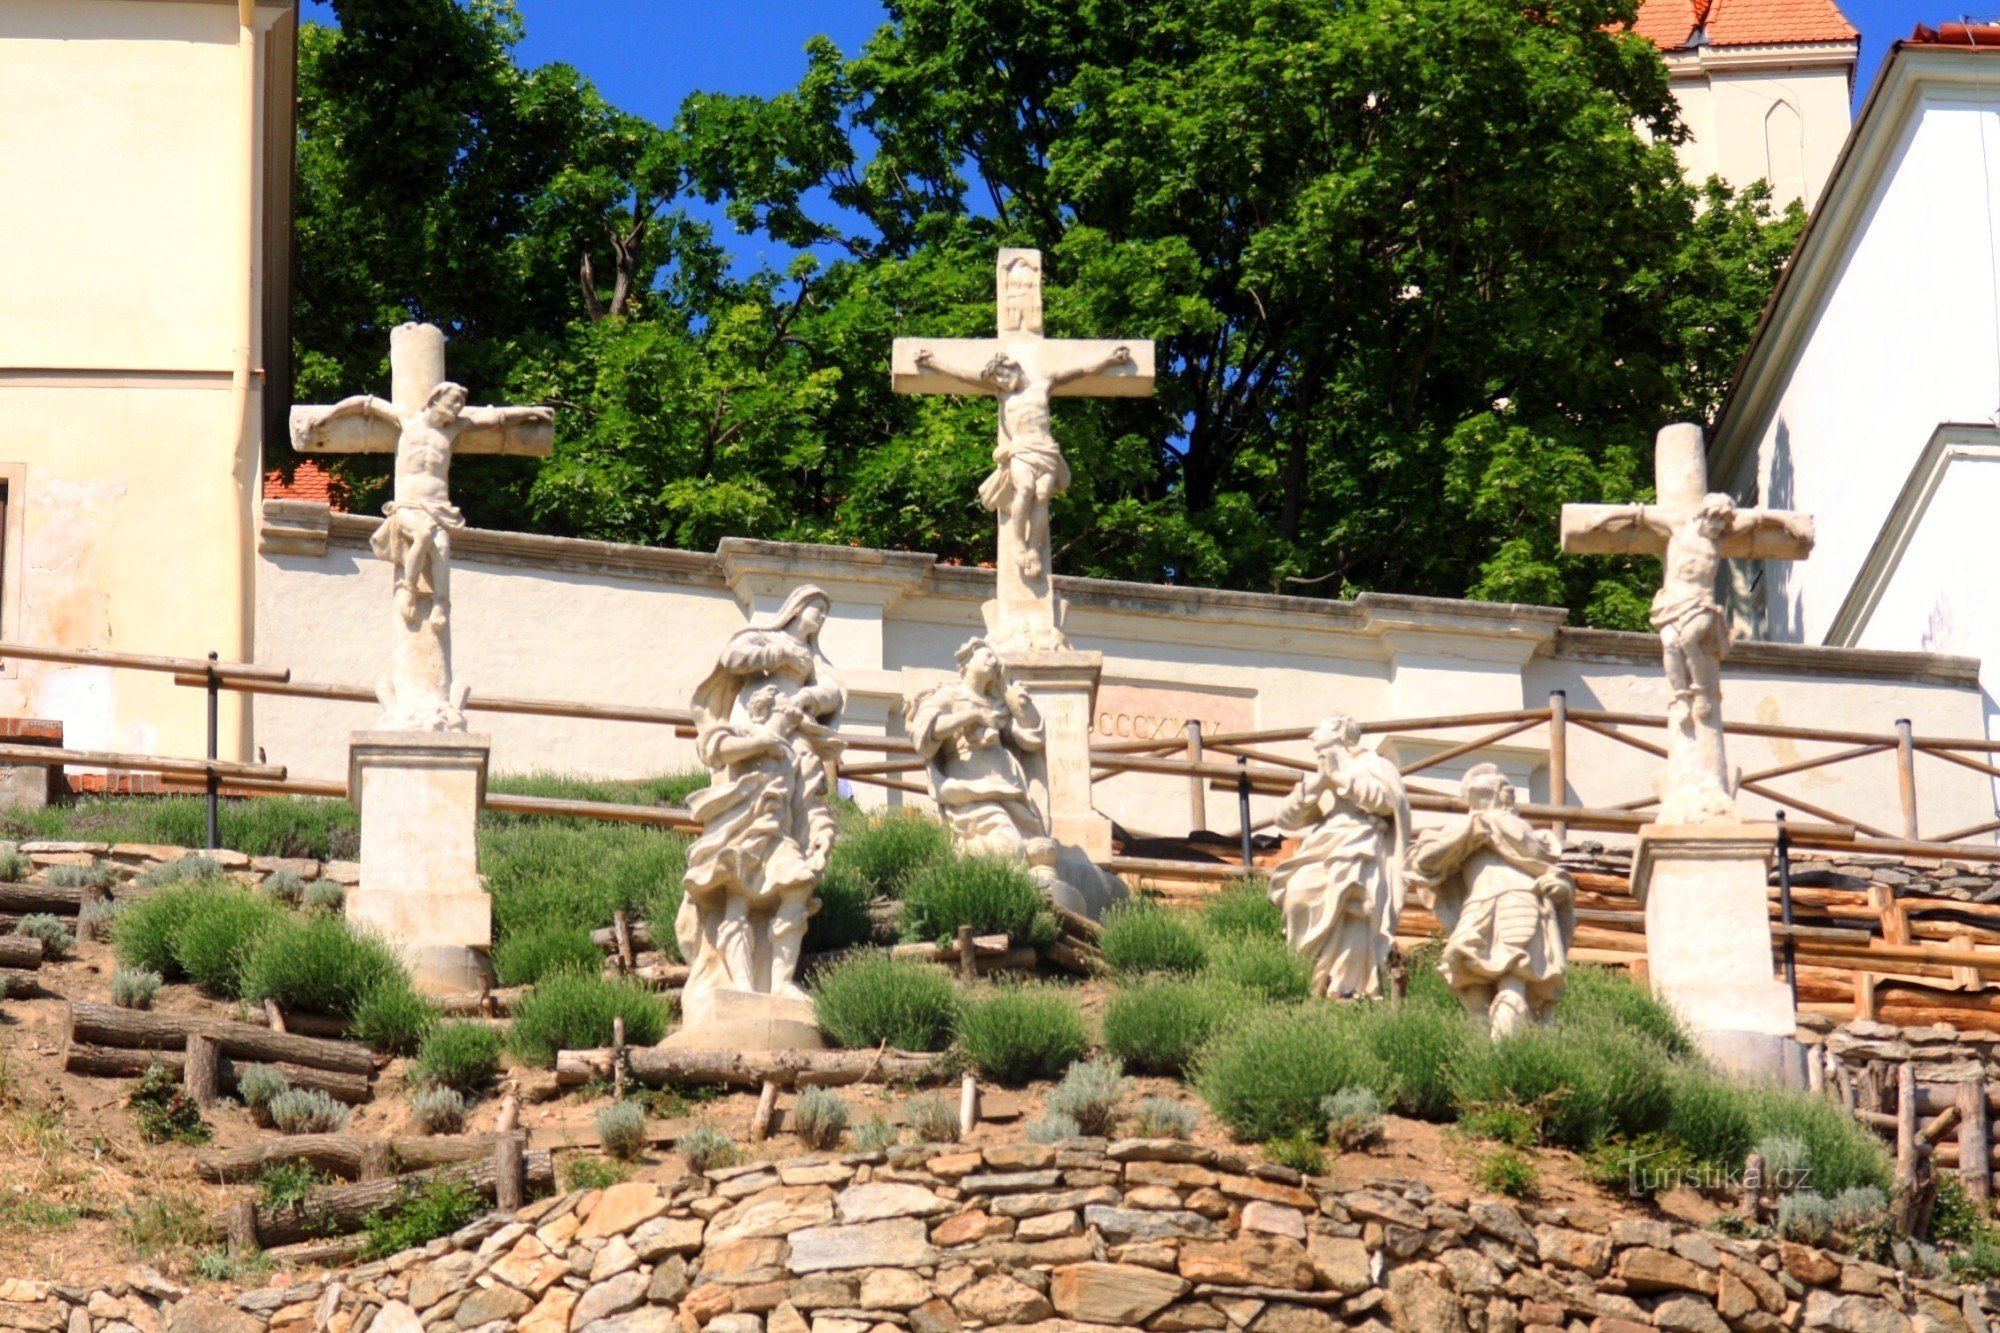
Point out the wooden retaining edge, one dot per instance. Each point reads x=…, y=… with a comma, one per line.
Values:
x=52, y=898
x=343, y=1208
x=655, y=1066
x=348, y=1156
x=132, y=1061
x=105, y=1025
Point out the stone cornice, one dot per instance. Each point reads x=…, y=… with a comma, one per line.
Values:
x=1600, y=645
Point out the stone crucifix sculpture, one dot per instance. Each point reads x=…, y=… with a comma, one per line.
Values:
x=1023, y=370
x=425, y=423
x=1692, y=531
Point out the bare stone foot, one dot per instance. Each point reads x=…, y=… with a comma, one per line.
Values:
x=1031, y=563
x=406, y=604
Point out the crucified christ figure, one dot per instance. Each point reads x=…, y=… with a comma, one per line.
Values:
x=1028, y=464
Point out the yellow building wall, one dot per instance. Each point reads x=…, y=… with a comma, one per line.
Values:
x=128, y=227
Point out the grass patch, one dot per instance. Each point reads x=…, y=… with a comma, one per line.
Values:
x=868, y=1000
x=215, y=942
x=1244, y=907
x=1264, y=966
x=166, y=1113
x=1141, y=936
x=320, y=830
x=574, y=1010
x=527, y=956
x=1597, y=1081
x=551, y=874
x=885, y=852
x=461, y=1056
x=423, y=1212
x=1157, y=1025
x=1020, y=1033
x=1266, y=1076
x=842, y=921
x=392, y=1018
x=993, y=897
x=319, y=964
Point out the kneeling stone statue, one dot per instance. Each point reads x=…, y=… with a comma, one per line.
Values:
x=1506, y=904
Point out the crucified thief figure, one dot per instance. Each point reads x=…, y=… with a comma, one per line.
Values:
x=1028, y=465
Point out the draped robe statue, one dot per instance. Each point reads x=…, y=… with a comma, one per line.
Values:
x=976, y=735
x=1508, y=908
x=1342, y=891
x=764, y=725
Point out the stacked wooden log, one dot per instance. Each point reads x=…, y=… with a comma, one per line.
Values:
x=209, y=1054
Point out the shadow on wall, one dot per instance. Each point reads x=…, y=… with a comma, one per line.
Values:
x=1779, y=618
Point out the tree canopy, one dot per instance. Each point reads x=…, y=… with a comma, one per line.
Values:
x=1418, y=271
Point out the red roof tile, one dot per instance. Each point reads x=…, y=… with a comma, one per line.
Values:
x=309, y=481
x=1983, y=35
x=1672, y=24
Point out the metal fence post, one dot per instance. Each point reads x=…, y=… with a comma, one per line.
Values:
x=1243, y=806
x=214, y=753
x=1906, y=776
x=1785, y=907
x=1197, y=785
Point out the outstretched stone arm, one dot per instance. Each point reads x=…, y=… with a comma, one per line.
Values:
x=929, y=361
x=1121, y=355
x=313, y=427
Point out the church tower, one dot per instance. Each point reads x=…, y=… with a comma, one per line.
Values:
x=146, y=147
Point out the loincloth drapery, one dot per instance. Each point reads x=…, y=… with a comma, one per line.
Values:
x=394, y=538
x=1046, y=460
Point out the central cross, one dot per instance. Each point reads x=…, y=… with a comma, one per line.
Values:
x=1692, y=530
x=425, y=423
x=1024, y=371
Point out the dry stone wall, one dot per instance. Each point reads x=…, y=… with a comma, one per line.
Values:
x=1084, y=1236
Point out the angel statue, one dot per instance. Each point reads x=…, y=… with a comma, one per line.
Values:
x=977, y=735
x=1507, y=907
x=765, y=722
x=1342, y=891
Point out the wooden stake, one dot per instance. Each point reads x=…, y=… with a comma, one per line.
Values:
x=508, y=1172
x=510, y=1115
x=618, y=1056
x=274, y=1014
x=1752, y=1200
x=968, y=1101
x=199, y=1075
x=767, y=1106
x=1906, y=1126
x=968, y=962
x=621, y=931
x=1975, y=1143
x=240, y=1224
x=86, y=929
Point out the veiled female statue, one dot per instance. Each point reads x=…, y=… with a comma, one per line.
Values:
x=765, y=719
x=1507, y=906
x=1342, y=891
x=975, y=735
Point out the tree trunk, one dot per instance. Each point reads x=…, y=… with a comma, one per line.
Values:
x=348, y=1156
x=130, y=1062
x=343, y=1208
x=104, y=1025
x=40, y=898
x=656, y=1066
x=20, y=951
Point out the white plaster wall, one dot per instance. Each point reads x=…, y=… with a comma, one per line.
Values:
x=1903, y=339
x=1732, y=111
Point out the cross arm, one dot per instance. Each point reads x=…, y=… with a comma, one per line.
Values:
x=1769, y=534
x=954, y=365
x=1614, y=530
x=363, y=424
x=518, y=432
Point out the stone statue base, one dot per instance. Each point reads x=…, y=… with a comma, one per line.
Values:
x=1708, y=943
x=742, y=1020
x=418, y=794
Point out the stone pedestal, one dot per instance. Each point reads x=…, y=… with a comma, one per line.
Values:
x=1064, y=687
x=31, y=786
x=1708, y=943
x=741, y=1020
x=418, y=794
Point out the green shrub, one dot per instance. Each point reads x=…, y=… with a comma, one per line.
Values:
x=1141, y=936
x=144, y=933
x=592, y=1173
x=871, y=999
x=1244, y=907
x=1422, y=1047
x=666, y=789
x=1053, y=1127
x=1641, y=1168
x=1503, y=1122
x=306, y=1111
x=96, y=875
x=323, y=897
x=1263, y=966
x=424, y=1210
x=1164, y=1118
x=819, y=1118
x=993, y=897
x=460, y=1056
x=283, y=1186
x=392, y=1018
x=1507, y=1170
x=548, y=873
x=932, y=1117
x=843, y=920
x=1426, y=985
x=1018, y=1034
x=257, y=1086
x=1842, y=1153
x=1088, y=1096
x=574, y=1010
x=1265, y=1075
x=1806, y=1218
x=319, y=964
x=885, y=852
x=14, y=864
x=1354, y=1118
x=438, y=1110
x=1962, y=1225
x=214, y=944
x=132, y=988
x=706, y=1148
x=1787, y=1162
x=527, y=957
x=187, y=869
x=621, y=1129
x=1709, y=1117
x=660, y=904
x=1607, y=996
x=1158, y=1024
x=166, y=1113
x=1301, y=1152
x=1593, y=1080
x=285, y=886
x=102, y=912
x=875, y=1134
x=49, y=929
